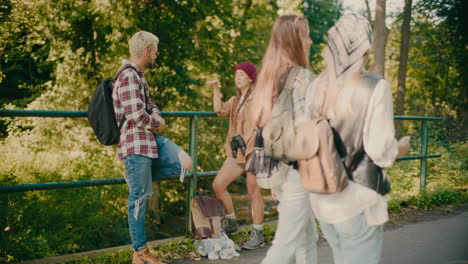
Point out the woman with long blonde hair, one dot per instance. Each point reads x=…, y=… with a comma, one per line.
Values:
x=287, y=52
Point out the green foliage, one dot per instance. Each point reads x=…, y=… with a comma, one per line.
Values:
x=244, y=234
x=48, y=223
x=437, y=197
x=444, y=174
x=394, y=205
x=321, y=14
x=22, y=54
x=440, y=196
x=436, y=78
x=448, y=171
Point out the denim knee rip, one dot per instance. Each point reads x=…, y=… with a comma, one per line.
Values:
x=137, y=204
x=183, y=170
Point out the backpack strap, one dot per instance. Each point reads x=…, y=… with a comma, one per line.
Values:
x=113, y=80
x=291, y=78
x=370, y=80
x=289, y=88
x=126, y=66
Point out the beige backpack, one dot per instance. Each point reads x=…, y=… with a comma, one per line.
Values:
x=279, y=133
x=207, y=214
x=321, y=168
x=312, y=144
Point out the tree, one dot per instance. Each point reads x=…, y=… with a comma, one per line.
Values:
x=287, y=7
x=380, y=37
x=369, y=14
x=23, y=65
x=404, y=51
x=436, y=75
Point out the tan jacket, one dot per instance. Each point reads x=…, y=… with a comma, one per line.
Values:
x=243, y=126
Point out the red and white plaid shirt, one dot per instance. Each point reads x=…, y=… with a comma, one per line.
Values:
x=130, y=97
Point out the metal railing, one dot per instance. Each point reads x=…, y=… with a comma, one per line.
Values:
x=424, y=141
x=192, y=178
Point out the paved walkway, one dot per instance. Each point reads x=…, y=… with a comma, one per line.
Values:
x=443, y=241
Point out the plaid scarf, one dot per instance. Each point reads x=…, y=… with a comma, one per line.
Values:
x=348, y=41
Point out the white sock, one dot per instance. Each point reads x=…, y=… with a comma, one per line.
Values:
x=258, y=227
x=231, y=216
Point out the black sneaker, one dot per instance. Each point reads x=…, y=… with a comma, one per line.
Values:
x=230, y=225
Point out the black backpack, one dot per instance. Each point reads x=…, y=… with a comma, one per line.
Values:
x=101, y=113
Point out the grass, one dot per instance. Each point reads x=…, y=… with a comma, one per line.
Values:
x=427, y=199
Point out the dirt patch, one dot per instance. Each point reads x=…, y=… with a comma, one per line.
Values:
x=412, y=214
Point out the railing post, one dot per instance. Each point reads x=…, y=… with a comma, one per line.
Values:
x=192, y=183
x=188, y=215
x=424, y=139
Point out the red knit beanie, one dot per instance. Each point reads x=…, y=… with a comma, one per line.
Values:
x=249, y=69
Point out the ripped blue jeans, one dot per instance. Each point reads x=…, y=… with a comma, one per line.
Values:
x=139, y=170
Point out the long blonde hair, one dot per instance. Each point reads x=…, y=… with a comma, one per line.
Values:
x=287, y=48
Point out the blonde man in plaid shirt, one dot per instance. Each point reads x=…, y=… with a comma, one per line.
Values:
x=139, y=146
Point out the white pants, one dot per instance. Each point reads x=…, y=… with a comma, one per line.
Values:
x=353, y=241
x=296, y=235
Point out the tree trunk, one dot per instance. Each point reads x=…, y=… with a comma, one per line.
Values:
x=371, y=60
x=369, y=15
x=380, y=37
x=248, y=4
x=404, y=51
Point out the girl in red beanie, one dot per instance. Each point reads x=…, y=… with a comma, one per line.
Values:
x=239, y=145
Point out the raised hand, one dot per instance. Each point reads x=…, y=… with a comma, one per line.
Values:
x=216, y=84
x=403, y=146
